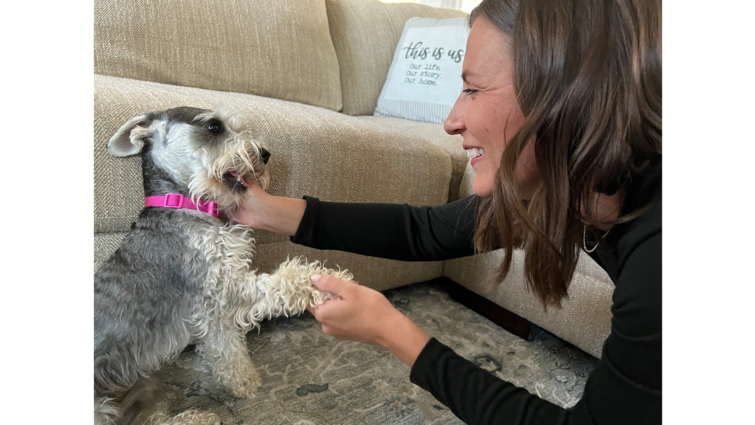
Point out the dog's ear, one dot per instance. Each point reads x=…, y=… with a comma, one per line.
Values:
x=130, y=138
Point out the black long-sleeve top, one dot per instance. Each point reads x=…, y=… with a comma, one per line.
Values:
x=624, y=387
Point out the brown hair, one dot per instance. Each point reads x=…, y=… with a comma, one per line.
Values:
x=587, y=75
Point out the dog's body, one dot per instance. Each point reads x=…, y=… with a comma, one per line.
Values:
x=182, y=276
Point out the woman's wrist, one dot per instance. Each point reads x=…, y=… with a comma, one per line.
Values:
x=404, y=339
x=263, y=211
x=282, y=215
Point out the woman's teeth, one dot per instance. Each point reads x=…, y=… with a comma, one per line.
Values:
x=474, y=152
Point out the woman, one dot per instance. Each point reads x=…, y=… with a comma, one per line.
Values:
x=562, y=99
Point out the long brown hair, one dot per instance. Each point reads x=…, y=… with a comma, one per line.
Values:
x=587, y=75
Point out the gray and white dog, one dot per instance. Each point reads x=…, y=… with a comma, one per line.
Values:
x=183, y=276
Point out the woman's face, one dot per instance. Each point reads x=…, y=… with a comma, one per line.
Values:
x=487, y=114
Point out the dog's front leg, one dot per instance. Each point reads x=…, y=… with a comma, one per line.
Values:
x=224, y=348
x=289, y=290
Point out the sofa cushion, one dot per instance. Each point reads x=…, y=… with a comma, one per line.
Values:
x=315, y=152
x=274, y=48
x=434, y=133
x=365, y=34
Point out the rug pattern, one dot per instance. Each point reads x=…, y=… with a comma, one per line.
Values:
x=310, y=378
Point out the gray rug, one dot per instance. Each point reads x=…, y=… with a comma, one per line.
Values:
x=310, y=378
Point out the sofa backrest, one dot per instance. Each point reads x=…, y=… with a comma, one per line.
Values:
x=365, y=34
x=274, y=48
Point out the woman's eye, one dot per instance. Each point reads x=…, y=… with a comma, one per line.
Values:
x=469, y=91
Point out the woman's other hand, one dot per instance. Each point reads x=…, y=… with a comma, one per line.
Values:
x=362, y=314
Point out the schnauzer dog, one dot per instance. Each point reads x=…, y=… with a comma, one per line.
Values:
x=183, y=273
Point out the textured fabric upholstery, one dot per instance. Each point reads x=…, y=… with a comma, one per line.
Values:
x=451, y=145
x=104, y=245
x=584, y=319
x=315, y=151
x=365, y=34
x=376, y=273
x=585, y=316
x=275, y=48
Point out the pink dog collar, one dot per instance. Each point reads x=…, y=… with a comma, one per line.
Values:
x=176, y=200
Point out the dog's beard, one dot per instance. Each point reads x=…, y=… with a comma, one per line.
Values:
x=225, y=176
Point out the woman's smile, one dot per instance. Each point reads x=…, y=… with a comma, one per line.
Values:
x=475, y=155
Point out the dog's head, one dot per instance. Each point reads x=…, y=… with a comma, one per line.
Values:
x=204, y=152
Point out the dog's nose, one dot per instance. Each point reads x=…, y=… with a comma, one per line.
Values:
x=265, y=155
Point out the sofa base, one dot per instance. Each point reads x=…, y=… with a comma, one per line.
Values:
x=509, y=321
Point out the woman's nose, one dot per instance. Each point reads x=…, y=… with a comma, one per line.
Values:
x=454, y=123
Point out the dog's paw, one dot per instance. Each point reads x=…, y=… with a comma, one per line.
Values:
x=318, y=297
x=246, y=389
x=244, y=382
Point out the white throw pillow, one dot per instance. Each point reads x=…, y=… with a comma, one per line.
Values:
x=425, y=76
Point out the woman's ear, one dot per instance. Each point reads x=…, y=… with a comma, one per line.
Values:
x=130, y=138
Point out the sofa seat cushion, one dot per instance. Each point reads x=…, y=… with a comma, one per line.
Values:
x=434, y=133
x=275, y=48
x=315, y=152
x=365, y=34
x=377, y=273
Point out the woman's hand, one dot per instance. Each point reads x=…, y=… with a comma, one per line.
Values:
x=365, y=315
x=277, y=214
x=251, y=210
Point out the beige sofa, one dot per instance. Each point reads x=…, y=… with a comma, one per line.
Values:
x=305, y=75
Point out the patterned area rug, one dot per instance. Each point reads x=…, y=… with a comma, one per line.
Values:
x=310, y=378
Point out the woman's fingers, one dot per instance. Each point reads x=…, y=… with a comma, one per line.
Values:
x=322, y=282
x=329, y=283
x=254, y=188
x=248, y=211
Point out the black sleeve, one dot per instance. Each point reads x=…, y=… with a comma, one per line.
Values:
x=624, y=387
x=394, y=231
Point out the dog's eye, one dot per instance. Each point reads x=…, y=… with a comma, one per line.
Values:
x=215, y=128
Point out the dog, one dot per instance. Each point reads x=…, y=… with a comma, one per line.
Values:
x=183, y=274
